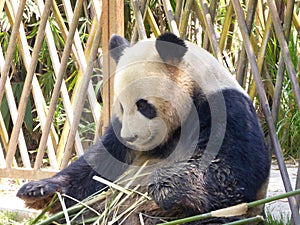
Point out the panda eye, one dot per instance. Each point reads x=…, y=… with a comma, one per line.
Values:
x=146, y=109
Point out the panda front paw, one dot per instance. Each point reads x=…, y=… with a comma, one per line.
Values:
x=38, y=189
x=163, y=190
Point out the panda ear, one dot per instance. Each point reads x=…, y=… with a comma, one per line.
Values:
x=170, y=47
x=117, y=45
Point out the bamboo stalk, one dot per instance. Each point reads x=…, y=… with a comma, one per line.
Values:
x=152, y=22
x=285, y=51
x=280, y=71
x=3, y=132
x=233, y=210
x=56, y=64
x=27, y=85
x=210, y=29
x=261, y=54
x=296, y=21
x=11, y=47
x=139, y=19
x=266, y=108
x=178, y=11
x=36, y=91
x=226, y=26
x=170, y=17
x=143, y=5
x=80, y=100
x=58, y=83
x=185, y=18
x=242, y=60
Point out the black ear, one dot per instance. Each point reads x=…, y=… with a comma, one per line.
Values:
x=170, y=47
x=117, y=44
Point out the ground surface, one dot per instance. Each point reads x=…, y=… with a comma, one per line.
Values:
x=9, y=201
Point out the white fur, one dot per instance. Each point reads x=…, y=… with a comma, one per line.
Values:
x=141, y=74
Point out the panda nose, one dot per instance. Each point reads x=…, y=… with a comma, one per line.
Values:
x=130, y=138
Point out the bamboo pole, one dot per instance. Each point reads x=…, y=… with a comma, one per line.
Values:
x=210, y=32
x=139, y=19
x=280, y=71
x=242, y=60
x=185, y=18
x=11, y=47
x=80, y=100
x=27, y=85
x=142, y=6
x=152, y=22
x=36, y=90
x=261, y=54
x=233, y=210
x=226, y=26
x=285, y=51
x=58, y=83
x=56, y=65
x=170, y=17
x=266, y=108
x=178, y=11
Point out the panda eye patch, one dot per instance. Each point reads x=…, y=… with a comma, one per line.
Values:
x=146, y=109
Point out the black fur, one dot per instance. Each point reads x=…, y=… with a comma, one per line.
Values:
x=170, y=47
x=147, y=109
x=117, y=45
x=234, y=176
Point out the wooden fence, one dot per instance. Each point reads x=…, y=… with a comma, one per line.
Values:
x=107, y=17
x=59, y=146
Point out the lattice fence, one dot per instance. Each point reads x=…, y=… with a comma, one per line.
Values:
x=82, y=53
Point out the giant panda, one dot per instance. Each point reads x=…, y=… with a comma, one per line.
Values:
x=176, y=108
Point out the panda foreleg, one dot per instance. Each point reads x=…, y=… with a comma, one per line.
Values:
x=187, y=189
x=106, y=158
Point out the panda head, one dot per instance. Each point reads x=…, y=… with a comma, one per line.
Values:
x=152, y=95
x=157, y=85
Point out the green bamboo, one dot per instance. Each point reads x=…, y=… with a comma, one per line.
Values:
x=11, y=48
x=261, y=54
x=263, y=98
x=249, y=205
x=139, y=19
x=152, y=22
x=251, y=220
x=226, y=26
x=170, y=17
x=209, y=28
x=185, y=18
x=178, y=11
x=57, y=86
x=12, y=147
x=242, y=60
